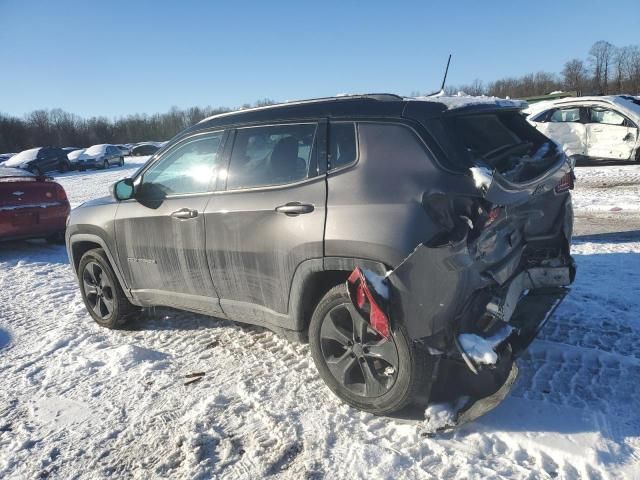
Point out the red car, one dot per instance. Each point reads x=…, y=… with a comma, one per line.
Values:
x=31, y=206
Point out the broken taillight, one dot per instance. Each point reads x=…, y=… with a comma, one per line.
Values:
x=566, y=183
x=492, y=216
x=361, y=295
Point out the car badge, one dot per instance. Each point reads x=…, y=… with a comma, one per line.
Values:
x=18, y=194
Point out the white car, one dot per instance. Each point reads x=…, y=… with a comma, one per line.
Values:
x=595, y=128
x=77, y=159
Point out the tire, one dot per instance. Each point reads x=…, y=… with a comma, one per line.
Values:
x=121, y=163
x=63, y=167
x=105, y=164
x=393, y=390
x=113, y=308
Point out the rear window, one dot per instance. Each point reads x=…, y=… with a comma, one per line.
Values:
x=502, y=140
x=272, y=155
x=342, y=144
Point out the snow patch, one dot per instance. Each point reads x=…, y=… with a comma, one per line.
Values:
x=482, y=349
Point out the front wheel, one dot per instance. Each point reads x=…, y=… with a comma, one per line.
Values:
x=106, y=302
x=360, y=366
x=121, y=163
x=105, y=164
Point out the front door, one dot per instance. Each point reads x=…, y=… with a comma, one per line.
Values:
x=610, y=135
x=269, y=219
x=160, y=234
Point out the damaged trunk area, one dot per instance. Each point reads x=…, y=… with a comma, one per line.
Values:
x=477, y=293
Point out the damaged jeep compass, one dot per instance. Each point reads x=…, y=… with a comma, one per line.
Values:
x=417, y=244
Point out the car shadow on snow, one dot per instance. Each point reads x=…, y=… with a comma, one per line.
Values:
x=32, y=251
x=5, y=338
x=169, y=319
x=610, y=237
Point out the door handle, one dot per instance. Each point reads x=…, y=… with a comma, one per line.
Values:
x=628, y=137
x=185, y=214
x=293, y=209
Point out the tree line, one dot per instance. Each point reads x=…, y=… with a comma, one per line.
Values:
x=59, y=128
x=607, y=70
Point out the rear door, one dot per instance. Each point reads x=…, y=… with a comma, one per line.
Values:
x=269, y=219
x=565, y=126
x=610, y=135
x=160, y=235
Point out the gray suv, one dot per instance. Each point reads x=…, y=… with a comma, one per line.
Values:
x=417, y=245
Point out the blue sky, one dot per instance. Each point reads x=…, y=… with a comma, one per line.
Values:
x=118, y=57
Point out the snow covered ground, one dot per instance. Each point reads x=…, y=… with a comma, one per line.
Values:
x=79, y=401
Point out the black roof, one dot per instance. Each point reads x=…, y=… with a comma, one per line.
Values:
x=362, y=106
x=377, y=105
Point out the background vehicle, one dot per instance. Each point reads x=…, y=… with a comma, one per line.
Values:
x=40, y=160
x=396, y=235
x=124, y=149
x=31, y=206
x=68, y=150
x=144, y=149
x=5, y=156
x=594, y=128
x=77, y=159
x=100, y=156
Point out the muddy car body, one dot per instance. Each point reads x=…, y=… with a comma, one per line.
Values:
x=408, y=240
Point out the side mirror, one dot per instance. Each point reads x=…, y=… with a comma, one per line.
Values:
x=123, y=189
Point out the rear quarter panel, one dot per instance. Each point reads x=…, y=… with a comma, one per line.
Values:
x=374, y=207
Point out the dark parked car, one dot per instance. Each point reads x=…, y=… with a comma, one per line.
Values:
x=31, y=206
x=40, y=160
x=99, y=156
x=419, y=246
x=144, y=149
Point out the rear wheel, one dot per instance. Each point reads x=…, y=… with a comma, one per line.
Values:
x=106, y=302
x=359, y=365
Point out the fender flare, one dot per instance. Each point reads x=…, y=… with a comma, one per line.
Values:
x=302, y=279
x=88, y=237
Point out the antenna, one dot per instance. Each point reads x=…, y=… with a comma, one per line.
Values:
x=441, y=91
x=445, y=74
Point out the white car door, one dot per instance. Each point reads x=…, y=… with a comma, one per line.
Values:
x=565, y=126
x=610, y=135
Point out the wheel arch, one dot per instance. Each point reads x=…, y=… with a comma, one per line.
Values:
x=81, y=243
x=314, y=278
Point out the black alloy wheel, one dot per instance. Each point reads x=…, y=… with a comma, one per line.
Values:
x=358, y=357
x=98, y=290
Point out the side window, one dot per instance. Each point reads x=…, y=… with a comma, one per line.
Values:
x=565, y=115
x=607, y=117
x=342, y=144
x=273, y=155
x=190, y=167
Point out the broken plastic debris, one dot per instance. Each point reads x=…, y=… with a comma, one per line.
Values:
x=481, y=350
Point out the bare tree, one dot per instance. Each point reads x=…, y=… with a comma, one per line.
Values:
x=621, y=54
x=632, y=70
x=601, y=56
x=575, y=75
